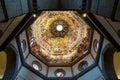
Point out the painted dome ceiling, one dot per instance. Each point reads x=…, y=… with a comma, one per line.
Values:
x=59, y=37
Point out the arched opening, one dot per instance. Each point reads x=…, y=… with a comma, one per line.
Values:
x=108, y=64
x=3, y=63
x=117, y=64
x=8, y=63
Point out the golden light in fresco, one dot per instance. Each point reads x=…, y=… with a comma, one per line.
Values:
x=59, y=37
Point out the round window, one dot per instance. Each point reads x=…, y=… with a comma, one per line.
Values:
x=32, y=42
x=60, y=73
x=95, y=45
x=36, y=65
x=83, y=65
x=23, y=45
x=59, y=27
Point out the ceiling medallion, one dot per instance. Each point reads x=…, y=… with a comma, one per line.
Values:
x=59, y=28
